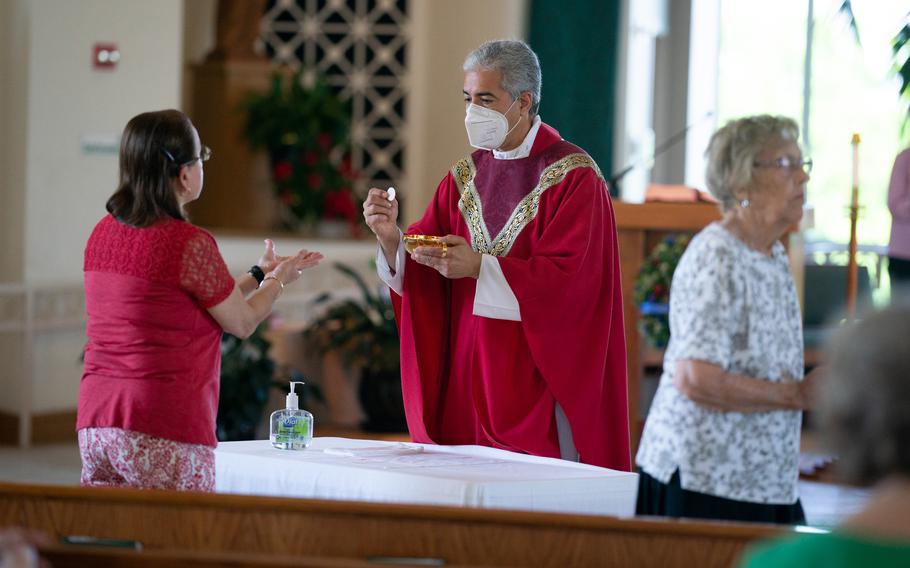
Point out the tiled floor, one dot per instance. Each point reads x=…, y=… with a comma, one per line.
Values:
x=53, y=464
x=825, y=504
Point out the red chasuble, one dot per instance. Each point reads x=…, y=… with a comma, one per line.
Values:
x=469, y=379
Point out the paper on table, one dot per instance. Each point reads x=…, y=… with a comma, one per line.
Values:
x=398, y=449
x=402, y=455
x=443, y=460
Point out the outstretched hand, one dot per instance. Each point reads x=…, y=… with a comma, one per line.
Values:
x=270, y=258
x=289, y=269
x=455, y=260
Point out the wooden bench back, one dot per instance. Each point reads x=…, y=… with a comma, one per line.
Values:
x=63, y=556
x=173, y=521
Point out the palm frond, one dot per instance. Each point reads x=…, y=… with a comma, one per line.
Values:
x=368, y=297
x=362, y=331
x=846, y=8
x=900, y=49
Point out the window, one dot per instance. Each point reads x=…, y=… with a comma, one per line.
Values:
x=762, y=64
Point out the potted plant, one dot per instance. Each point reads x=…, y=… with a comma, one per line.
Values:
x=306, y=133
x=247, y=374
x=365, y=334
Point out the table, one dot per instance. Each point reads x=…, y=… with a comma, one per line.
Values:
x=396, y=472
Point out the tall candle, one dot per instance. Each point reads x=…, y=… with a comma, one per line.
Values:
x=854, y=196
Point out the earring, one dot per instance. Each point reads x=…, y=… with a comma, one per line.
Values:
x=744, y=203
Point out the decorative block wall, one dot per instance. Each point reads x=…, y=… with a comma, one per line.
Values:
x=360, y=48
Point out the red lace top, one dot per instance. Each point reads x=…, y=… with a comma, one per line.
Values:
x=153, y=357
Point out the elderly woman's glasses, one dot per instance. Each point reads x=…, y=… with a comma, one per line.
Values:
x=787, y=163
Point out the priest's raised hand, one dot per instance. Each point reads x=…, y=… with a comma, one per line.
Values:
x=381, y=214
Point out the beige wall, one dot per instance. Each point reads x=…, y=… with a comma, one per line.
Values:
x=13, y=93
x=52, y=191
x=65, y=187
x=442, y=35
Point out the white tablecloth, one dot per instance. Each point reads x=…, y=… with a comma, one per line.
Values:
x=394, y=472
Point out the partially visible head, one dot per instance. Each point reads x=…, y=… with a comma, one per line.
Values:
x=160, y=168
x=736, y=148
x=864, y=405
x=516, y=63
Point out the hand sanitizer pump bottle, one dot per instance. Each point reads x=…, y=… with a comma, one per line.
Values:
x=291, y=428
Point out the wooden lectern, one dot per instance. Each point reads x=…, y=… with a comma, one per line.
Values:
x=640, y=228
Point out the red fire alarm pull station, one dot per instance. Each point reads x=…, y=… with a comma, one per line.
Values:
x=105, y=56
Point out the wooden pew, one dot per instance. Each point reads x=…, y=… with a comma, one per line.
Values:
x=357, y=531
x=62, y=556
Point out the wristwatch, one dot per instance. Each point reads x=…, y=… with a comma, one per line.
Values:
x=257, y=273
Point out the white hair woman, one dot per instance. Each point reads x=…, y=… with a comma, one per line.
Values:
x=722, y=437
x=864, y=417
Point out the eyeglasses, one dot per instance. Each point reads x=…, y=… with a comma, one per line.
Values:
x=787, y=163
x=205, y=153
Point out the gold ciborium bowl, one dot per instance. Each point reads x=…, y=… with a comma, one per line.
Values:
x=411, y=242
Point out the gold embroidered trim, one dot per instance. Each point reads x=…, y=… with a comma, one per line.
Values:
x=469, y=203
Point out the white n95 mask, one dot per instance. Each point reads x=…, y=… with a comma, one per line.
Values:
x=487, y=128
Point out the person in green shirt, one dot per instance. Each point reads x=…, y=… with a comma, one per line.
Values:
x=864, y=412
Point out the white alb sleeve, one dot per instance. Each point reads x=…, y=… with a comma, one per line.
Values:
x=493, y=297
x=395, y=281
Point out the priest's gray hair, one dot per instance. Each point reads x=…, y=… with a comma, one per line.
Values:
x=864, y=407
x=516, y=61
x=733, y=149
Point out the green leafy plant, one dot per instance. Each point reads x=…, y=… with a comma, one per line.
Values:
x=362, y=331
x=900, y=52
x=247, y=374
x=306, y=133
x=365, y=335
x=652, y=288
x=900, y=47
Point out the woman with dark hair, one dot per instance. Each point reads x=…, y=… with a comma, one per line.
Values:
x=864, y=417
x=158, y=297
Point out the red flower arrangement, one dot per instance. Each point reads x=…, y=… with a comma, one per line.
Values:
x=306, y=134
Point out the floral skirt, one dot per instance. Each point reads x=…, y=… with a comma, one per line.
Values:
x=112, y=457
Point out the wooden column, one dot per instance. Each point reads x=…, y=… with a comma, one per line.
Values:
x=639, y=228
x=238, y=184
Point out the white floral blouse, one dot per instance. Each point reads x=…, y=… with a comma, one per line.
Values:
x=736, y=308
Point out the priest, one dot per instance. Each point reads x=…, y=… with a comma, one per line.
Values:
x=512, y=328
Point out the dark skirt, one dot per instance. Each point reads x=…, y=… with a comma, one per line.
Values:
x=899, y=273
x=671, y=500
